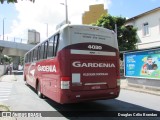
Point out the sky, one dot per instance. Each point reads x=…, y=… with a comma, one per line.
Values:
x=24, y=15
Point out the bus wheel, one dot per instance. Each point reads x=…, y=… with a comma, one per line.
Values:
x=26, y=83
x=39, y=91
x=25, y=80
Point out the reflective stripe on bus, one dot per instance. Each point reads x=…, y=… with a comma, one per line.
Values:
x=99, y=83
x=87, y=52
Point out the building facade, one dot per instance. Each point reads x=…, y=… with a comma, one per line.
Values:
x=33, y=37
x=148, y=28
x=94, y=13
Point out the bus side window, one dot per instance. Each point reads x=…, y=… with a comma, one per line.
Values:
x=38, y=52
x=35, y=55
x=56, y=43
x=45, y=49
x=30, y=57
x=42, y=51
x=26, y=59
x=50, y=47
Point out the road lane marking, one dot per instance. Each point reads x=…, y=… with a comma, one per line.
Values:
x=5, y=90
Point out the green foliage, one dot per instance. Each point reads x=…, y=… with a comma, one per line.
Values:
x=21, y=60
x=5, y=59
x=126, y=35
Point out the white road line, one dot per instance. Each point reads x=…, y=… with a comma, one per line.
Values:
x=3, y=96
x=5, y=87
x=5, y=90
x=3, y=99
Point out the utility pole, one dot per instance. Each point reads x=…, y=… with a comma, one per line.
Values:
x=66, y=10
x=3, y=28
x=47, y=30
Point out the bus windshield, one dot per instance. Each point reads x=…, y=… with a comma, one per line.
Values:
x=92, y=35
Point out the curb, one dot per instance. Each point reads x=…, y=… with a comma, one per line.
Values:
x=139, y=88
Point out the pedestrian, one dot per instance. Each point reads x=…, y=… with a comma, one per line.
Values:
x=10, y=69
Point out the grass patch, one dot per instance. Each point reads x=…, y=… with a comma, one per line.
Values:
x=4, y=108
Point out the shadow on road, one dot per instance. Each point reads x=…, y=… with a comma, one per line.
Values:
x=100, y=109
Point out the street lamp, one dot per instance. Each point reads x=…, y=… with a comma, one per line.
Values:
x=3, y=28
x=66, y=10
x=47, y=29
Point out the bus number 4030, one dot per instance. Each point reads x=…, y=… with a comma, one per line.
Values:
x=95, y=47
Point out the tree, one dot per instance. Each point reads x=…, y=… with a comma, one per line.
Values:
x=5, y=59
x=126, y=35
x=21, y=60
x=13, y=1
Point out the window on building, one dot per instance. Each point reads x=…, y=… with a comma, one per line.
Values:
x=146, y=29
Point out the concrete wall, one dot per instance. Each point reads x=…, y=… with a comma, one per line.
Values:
x=144, y=83
x=2, y=69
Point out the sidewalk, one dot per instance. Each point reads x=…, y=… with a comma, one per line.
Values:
x=149, y=90
x=8, y=78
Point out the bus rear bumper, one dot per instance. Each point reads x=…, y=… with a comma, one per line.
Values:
x=80, y=96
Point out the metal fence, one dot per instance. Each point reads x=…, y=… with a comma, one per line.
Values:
x=14, y=39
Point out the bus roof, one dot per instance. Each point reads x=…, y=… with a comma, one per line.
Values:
x=70, y=25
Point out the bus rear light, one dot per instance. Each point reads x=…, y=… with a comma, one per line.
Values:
x=65, y=82
x=118, y=82
x=65, y=78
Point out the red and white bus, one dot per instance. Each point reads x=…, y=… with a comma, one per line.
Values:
x=77, y=63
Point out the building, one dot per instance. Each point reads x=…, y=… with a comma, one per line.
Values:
x=148, y=28
x=142, y=66
x=33, y=37
x=94, y=13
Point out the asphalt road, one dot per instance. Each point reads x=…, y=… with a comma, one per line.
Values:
x=24, y=98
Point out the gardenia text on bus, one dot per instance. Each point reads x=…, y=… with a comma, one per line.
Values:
x=47, y=68
x=79, y=64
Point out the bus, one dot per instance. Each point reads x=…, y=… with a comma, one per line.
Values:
x=78, y=63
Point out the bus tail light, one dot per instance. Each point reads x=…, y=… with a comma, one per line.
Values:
x=65, y=82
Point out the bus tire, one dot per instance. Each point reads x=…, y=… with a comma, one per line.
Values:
x=39, y=91
x=26, y=83
x=25, y=80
